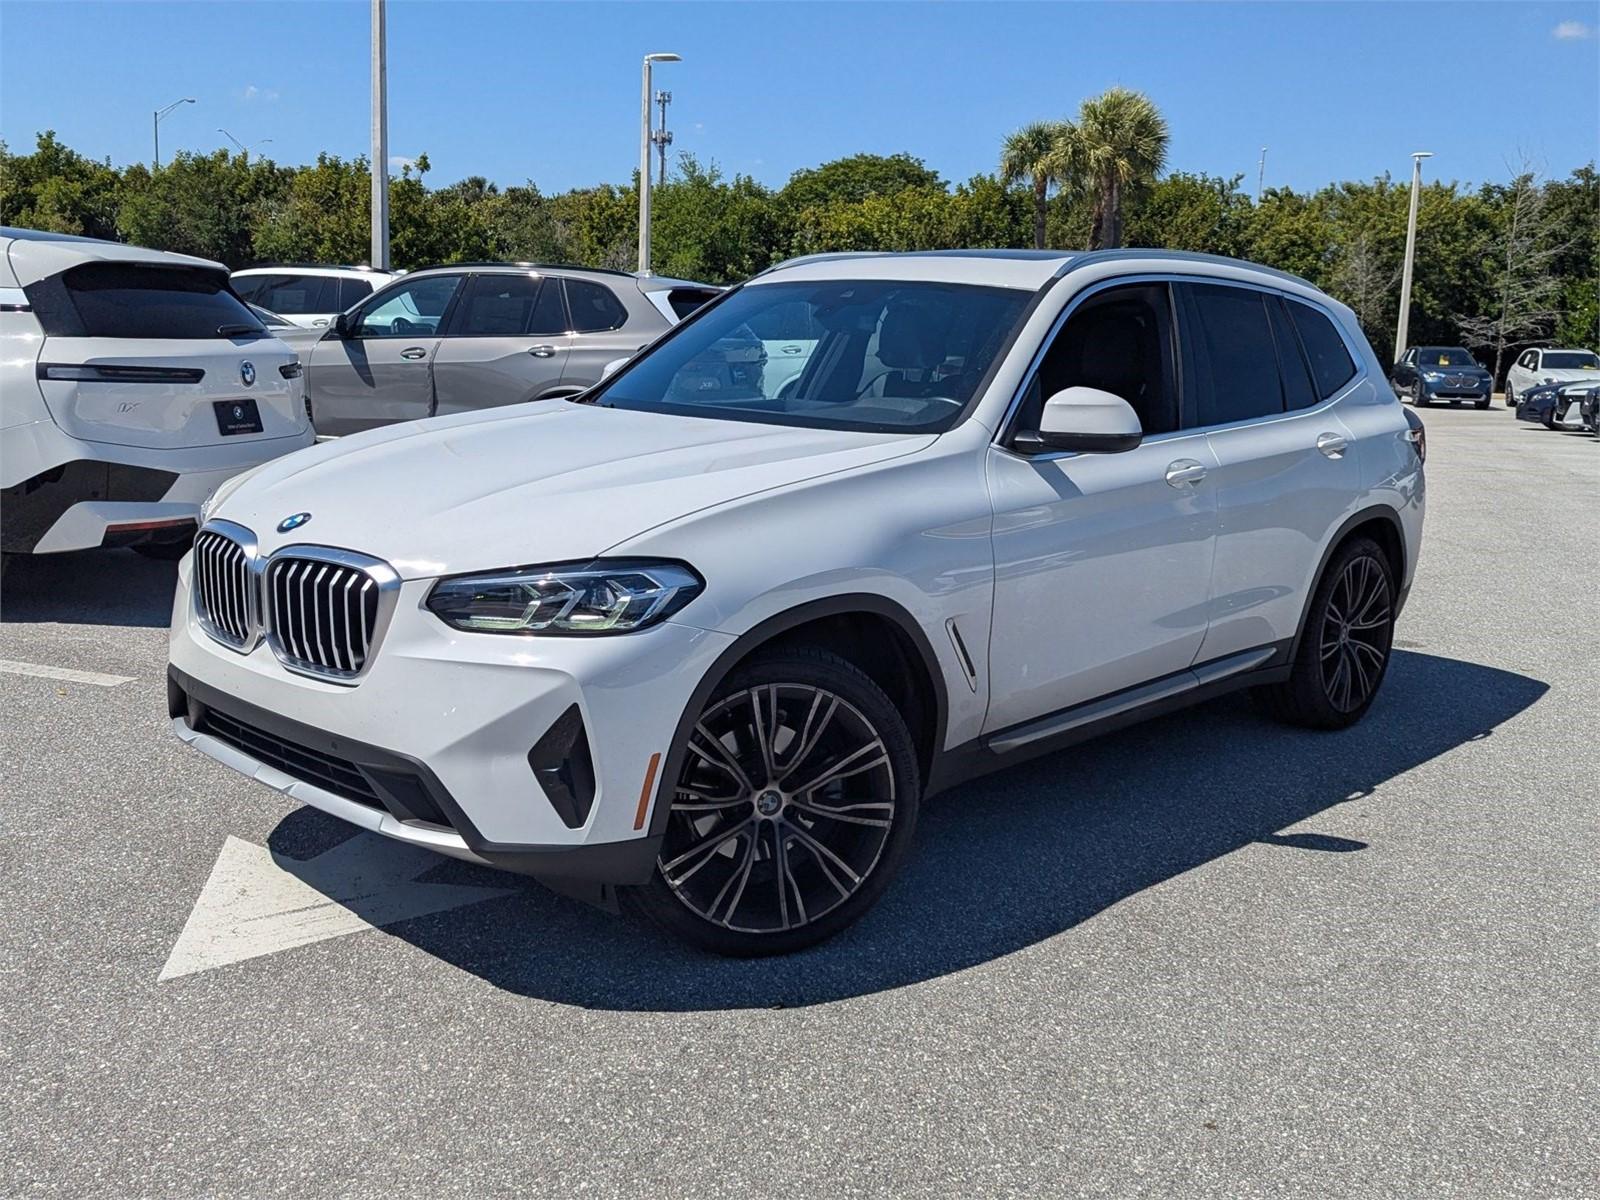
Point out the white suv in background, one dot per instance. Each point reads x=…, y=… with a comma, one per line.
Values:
x=703, y=640
x=132, y=383
x=306, y=294
x=1540, y=366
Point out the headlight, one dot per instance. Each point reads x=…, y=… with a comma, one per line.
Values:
x=1433, y=376
x=565, y=599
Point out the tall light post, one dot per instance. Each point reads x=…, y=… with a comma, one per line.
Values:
x=380, y=139
x=644, y=159
x=243, y=149
x=1411, y=252
x=155, y=124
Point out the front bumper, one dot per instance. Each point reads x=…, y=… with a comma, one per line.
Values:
x=1443, y=389
x=433, y=745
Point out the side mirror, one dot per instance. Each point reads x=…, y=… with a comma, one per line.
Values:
x=1083, y=418
x=611, y=367
x=339, y=326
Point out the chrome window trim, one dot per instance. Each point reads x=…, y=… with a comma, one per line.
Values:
x=1002, y=435
x=383, y=575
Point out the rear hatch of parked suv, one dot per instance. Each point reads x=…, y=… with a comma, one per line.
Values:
x=161, y=355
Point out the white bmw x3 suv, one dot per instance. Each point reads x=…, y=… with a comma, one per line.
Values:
x=132, y=383
x=703, y=643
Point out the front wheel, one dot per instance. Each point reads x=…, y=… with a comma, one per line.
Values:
x=1511, y=397
x=1481, y=404
x=1344, y=647
x=794, y=807
x=1419, y=398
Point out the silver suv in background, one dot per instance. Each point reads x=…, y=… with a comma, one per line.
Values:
x=306, y=294
x=480, y=335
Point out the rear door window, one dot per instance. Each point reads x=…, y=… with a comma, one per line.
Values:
x=595, y=308
x=1234, y=372
x=1331, y=364
x=137, y=300
x=299, y=295
x=497, y=306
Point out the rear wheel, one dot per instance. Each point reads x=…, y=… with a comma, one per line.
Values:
x=793, y=809
x=1511, y=397
x=1345, y=645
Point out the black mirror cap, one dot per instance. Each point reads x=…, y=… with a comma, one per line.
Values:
x=1032, y=442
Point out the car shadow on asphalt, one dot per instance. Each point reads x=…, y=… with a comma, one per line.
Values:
x=90, y=587
x=999, y=864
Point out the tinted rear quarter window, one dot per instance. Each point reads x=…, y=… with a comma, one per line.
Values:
x=684, y=301
x=1292, y=369
x=131, y=300
x=1235, y=364
x=1331, y=364
x=594, y=307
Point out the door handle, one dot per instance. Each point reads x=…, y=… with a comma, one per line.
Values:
x=1184, y=472
x=1332, y=444
x=543, y=351
x=413, y=352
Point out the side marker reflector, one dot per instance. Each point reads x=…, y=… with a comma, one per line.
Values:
x=646, y=790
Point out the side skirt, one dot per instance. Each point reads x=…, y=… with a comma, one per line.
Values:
x=1081, y=722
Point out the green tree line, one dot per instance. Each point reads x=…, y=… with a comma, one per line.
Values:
x=1499, y=266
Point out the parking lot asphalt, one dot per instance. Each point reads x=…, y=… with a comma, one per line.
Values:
x=1206, y=956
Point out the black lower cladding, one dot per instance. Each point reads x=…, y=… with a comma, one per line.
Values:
x=391, y=781
x=29, y=509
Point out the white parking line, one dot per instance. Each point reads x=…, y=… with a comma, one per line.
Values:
x=94, y=677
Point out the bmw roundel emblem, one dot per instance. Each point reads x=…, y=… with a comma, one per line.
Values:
x=247, y=373
x=293, y=522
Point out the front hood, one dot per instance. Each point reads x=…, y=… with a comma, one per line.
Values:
x=1569, y=375
x=544, y=482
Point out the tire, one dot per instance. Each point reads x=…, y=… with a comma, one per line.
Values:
x=736, y=877
x=1480, y=405
x=1419, y=398
x=1332, y=689
x=1549, y=418
x=1511, y=397
x=164, y=551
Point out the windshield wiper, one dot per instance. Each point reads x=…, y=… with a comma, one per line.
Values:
x=238, y=329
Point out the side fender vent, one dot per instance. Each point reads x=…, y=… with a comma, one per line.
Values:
x=562, y=764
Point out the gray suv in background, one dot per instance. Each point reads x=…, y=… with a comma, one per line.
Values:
x=479, y=335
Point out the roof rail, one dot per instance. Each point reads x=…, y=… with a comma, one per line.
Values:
x=302, y=266
x=532, y=266
x=1086, y=258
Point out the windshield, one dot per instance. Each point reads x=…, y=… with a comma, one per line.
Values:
x=1569, y=360
x=887, y=356
x=1433, y=356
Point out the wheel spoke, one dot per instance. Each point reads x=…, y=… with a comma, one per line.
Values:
x=811, y=733
x=1374, y=655
x=780, y=872
x=740, y=876
x=719, y=757
x=765, y=728
x=707, y=846
x=850, y=813
x=823, y=852
x=863, y=758
x=1358, y=675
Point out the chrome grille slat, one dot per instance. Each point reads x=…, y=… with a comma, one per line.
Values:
x=322, y=613
x=322, y=610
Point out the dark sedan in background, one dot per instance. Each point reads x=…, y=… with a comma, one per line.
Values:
x=1558, y=405
x=1448, y=374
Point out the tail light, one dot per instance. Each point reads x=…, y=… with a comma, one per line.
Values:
x=1416, y=434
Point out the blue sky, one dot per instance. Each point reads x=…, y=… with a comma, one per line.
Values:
x=550, y=92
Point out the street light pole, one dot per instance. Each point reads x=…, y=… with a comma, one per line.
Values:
x=155, y=124
x=243, y=149
x=380, y=139
x=1411, y=252
x=644, y=160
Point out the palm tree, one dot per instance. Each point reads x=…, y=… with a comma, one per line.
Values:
x=1034, y=153
x=1118, y=142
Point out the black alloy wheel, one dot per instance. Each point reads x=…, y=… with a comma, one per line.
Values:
x=794, y=805
x=1357, y=629
x=1343, y=650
